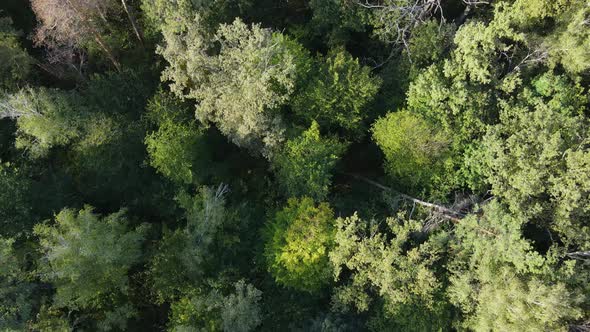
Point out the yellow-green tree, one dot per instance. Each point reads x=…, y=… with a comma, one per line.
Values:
x=297, y=241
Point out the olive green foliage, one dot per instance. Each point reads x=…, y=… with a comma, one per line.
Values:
x=398, y=268
x=182, y=254
x=297, y=241
x=87, y=258
x=238, y=311
x=241, y=87
x=15, y=291
x=304, y=166
x=499, y=282
x=177, y=149
x=414, y=149
x=339, y=95
x=15, y=62
x=335, y=20
x=536, y=158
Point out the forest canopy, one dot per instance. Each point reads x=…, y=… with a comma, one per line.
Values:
x=295, y=165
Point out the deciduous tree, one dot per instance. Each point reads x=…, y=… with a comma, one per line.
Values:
x=298, y=239
x=87, y=259
x=304, y=166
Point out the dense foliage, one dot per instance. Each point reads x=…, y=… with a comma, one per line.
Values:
x=300, y=165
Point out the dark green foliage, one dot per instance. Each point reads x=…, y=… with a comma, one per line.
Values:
x=15, y=62
x=15, y=290
x=340, y=95
x=16, y=211
x=303, y=165
x=182, y=257
x=306, y=164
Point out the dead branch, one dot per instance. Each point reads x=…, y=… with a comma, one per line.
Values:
x=445, y=212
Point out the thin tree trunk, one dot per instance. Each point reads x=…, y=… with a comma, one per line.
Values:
x=445, y=212
x=97, y=37
x=131, y=17
x=107, y=51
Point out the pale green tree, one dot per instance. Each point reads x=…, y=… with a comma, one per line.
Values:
x=240, y=84
x=45, y=118
x=392, y=266
x=238, y=311
x=500, y=283
x=536, y=158
x=87, y=258
x=179, y=265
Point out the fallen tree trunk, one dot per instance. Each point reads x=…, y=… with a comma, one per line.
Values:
x=445, y=212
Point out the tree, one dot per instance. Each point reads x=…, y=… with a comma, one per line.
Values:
x=87, y=259
x=394, y=20
x=569, y=46
x=45, y=118
x=242, y=86
x=339, y=95
x=399, y=268
x=16, y=212
x=305, y=164
x=177, y=149
x=297, y=242
x=241, y=311
x=336, y=20
x=16, y=291
x=500, y=283
x=69, y=25
x=238, y=311
x=162, y=15
x=415, y=151
x=180, y=264
x=536, y=158
x=15, y=62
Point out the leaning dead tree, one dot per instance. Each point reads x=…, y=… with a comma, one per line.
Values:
x=131, y=16
x=443, y=211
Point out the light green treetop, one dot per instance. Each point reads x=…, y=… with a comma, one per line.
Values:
x=297, y=242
